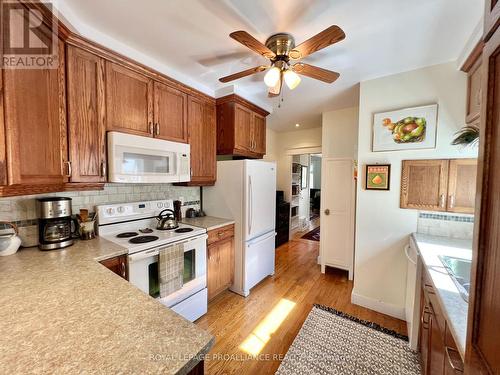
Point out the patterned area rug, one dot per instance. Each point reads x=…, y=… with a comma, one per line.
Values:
x=331, y=342
x=312, y=235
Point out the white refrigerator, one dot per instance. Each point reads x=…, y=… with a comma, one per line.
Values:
x=245, y=192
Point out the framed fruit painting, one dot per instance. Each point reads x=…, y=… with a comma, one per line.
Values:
x=378, y=177
x=405, y=129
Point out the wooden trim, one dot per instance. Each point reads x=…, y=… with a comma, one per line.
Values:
x=233, y=98
x=475, y=363
x=491, y=18
x=47, y=17
x=3, y=150
x=473, y=57
x=16, y=190
x=117, y=58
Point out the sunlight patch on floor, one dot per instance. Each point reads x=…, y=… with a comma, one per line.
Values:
x=256, y=341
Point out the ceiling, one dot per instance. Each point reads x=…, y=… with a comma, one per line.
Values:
x=188, y=40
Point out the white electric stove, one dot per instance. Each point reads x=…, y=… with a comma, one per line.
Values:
x=133, y=226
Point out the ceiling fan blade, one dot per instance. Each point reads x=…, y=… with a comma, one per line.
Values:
x=307, y=70
x=243, y=73
x=324, y=39
x=276, y=89
x=250, y=42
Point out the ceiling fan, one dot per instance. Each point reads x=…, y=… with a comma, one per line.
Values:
x=280, y=49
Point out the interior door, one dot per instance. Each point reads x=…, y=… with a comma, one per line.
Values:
x=170, y=113
x=337, y=213
x=129, y=100
x=261, y=198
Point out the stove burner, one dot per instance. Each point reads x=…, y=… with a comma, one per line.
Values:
x=146, y=230
x=184, y=230
x=168, y=228
x=127, y=234
x=143, y=239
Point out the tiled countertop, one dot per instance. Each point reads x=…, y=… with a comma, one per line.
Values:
x=453, y=305
x=63, y=312
x=208, y=222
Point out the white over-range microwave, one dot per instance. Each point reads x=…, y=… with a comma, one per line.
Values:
x=136, y=159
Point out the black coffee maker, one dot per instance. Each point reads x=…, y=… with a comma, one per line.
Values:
x=56, y=228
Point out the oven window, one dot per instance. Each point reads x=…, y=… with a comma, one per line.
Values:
x=154, y=283
x=189, y=266
x=134, y=163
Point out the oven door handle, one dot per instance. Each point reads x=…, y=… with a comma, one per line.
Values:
x=155, y=251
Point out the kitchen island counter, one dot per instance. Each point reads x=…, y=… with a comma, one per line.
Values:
x=63, y=312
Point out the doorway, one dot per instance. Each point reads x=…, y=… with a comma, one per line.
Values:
x=305, y=196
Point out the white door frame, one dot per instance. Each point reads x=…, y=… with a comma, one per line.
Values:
x=350, y=266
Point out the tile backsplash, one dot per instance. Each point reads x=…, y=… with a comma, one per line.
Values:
x=22, y=210
x=446, y=225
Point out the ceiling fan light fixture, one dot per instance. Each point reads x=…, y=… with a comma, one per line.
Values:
x=272, y=76
x=292, y=79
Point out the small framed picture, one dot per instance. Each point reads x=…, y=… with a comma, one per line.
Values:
x=378, y=177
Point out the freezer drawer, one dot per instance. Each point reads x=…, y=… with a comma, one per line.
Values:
x=259, y=260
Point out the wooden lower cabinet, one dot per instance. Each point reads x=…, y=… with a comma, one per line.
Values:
x=220, y=259
x=118, y=265
x=438, y=350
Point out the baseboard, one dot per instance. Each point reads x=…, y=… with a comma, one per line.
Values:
x=379, y=306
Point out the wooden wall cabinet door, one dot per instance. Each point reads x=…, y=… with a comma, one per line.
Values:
x=203, y=141
x=462, y=185
x=259, y=134
x=129, y=101
x=86, y=116
x=35, y=124
x=243, y=120
x=424, y=184
x=117, y=265
x=170, y=113
x=474, y=92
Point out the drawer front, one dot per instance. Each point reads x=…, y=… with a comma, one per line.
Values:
x=432, y=299
x=220, y=234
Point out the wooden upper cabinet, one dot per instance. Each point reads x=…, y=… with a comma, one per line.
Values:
x=241, y=128
x=170, y=113
x=424, y=184
x=462, y=185
x=259, y=133
x=35, y=124
x=86, y=116
x=202, y=139
x=243, y=123
x=474, y=92
x=129, y=100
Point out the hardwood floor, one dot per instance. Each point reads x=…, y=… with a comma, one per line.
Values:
x=297, y=282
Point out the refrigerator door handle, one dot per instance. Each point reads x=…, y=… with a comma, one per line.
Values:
x=262, y=238
x=250, y=202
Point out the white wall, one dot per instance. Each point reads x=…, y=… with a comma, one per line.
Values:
x=382, y=228
x=271, y=147
x=340, y=133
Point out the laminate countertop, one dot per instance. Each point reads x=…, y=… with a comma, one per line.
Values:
x=208, y=222
x=454, y=307
x=63, y=312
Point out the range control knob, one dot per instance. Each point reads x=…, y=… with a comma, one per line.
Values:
x=120, y=209
x=110, y=211
x=159, y=204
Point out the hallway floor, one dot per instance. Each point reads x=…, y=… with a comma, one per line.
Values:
x=266, y=322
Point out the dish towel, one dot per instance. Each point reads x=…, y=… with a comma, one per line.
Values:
x=171, y=269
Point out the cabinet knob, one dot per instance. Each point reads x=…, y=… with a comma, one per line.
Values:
x=103, y=169
x=442, y=201
x=70, y=169
x=327, y=212
x=151, y=128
